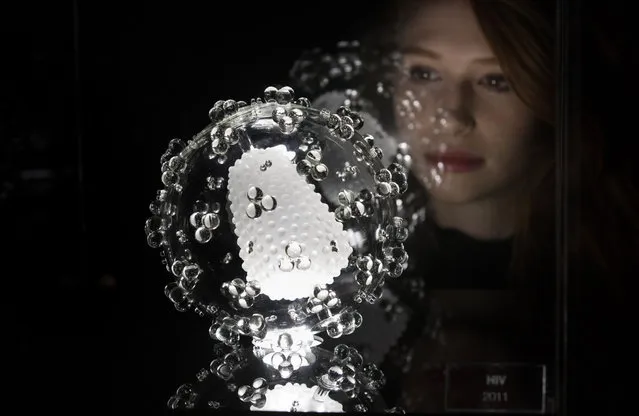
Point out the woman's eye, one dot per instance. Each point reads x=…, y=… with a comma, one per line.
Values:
x=422, y=73
x=495, y=82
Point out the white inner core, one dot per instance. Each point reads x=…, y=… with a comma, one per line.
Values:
x=294, y=242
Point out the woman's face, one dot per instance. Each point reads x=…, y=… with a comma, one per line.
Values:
x=470, y=135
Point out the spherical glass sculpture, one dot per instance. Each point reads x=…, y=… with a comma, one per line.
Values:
x=277, y=220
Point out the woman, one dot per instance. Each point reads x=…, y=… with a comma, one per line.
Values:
x=476, y=110
x=475, y=103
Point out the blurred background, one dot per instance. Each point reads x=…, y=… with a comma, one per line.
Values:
x=92, y=93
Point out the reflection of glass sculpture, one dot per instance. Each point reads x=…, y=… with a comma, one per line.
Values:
x=364, y=78
x=336, y=381
x=276, y=221
x=357, y=77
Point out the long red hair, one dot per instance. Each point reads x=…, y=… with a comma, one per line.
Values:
x=603, y=200
x=521, y=34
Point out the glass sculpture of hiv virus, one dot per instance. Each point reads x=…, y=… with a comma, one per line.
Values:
x=275, y=222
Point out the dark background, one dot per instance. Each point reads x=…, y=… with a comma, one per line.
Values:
x=91, y=94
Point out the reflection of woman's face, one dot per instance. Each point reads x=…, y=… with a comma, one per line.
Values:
x=469, y=133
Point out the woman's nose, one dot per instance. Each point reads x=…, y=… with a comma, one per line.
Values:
x=453, y=112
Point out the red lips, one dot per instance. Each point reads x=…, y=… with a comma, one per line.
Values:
x=455, y=161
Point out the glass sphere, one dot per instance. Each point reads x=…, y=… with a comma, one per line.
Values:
x=278, y=216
